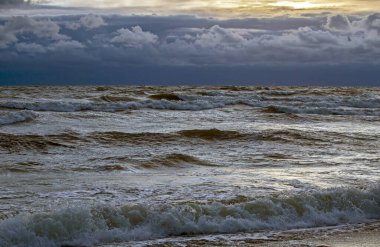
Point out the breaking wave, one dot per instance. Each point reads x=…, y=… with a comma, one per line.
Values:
x=16, y=117
x=106, y=224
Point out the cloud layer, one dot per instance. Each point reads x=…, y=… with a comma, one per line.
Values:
x=113, y=41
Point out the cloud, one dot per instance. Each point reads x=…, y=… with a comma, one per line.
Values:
x=92, y=21
x=30, y=48
x=66, y=45
x=217, y=45
x=338, y=23
x=89, y=21
x=171, y=40
x=368, y=23
x=135, y=37
x=25, y=25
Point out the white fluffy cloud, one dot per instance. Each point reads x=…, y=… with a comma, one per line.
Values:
x=135, y=37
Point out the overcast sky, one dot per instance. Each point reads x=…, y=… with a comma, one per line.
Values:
x=190, y=42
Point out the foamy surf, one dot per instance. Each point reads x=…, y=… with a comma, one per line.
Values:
x=105, y=224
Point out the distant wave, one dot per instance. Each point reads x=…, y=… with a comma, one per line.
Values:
x=159, y=102
x=323, y=110
x=106, y=224
x=16, y=117
x=277, y=102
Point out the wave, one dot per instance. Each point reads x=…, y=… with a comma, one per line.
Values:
x=210, y=134
x=174, y=160
x=287, y=135
x=16, y=117
x=22, y=167
x=106, y=224
x=156, y=138
x=16, y=143
x=159, y=102
x=165, y=96
x=102, y=168
x=281, y=101
x=323, y=110
x=111, y=98
x=116, y=137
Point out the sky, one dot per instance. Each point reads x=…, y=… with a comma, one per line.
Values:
x=167, y=42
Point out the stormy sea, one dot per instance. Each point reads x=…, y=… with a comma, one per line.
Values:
x=187, y=166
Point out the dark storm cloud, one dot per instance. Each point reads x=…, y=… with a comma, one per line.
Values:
x=122, y=47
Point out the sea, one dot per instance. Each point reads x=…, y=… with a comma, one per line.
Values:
x=186, y=165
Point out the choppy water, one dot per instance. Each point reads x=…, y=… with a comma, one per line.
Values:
x=99, y=165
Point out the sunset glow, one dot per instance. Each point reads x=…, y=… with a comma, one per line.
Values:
x=223, y=7
x=302, y=5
